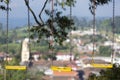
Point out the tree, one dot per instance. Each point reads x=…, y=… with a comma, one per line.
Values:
x=1, y=26
x=56, y=26
x=3, y=7
x=105, y=50
x=117, y=24
x=100, y=2
x=94, y=3
x=107, y=74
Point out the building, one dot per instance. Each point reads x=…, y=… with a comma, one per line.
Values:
x=25, y=54
x=64, y=57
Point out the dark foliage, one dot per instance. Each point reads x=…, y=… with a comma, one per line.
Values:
x=94, y=3
x=107, y=74
x=57, y=27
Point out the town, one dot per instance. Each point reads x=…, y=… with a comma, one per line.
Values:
x=59, y=40
x=78, y=59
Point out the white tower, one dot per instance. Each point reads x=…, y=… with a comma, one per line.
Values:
x=25, y=54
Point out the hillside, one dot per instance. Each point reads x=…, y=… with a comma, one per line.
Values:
x=102, y=24
x=16, y=35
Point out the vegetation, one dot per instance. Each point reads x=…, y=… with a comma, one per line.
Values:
x=20, y=74
x=3, y=7
x=108, y=74
x=58, y=26
x=105, y=51
x=102, y=24
x=18, y=34
x=35, y=76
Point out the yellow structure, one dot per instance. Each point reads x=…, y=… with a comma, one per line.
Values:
x=15, y=67
x=102, y=65
x=55, y=68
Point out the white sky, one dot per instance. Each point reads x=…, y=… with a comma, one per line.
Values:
x=19, y=9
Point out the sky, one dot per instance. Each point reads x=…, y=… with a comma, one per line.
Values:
x=81, y=9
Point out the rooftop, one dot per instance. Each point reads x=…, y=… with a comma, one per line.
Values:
x=65, y=73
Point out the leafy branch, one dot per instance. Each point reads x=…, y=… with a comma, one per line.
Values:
x=94, y=3
x=3, y=7
x=56, y=26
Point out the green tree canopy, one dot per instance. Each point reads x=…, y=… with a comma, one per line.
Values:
x=105, y=50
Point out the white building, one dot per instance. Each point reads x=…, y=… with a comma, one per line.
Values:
x=108, y=43
x=36, y=56
x=85, y=32
x=90, y=47
x=64, y=57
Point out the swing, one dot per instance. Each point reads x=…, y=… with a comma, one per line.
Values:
x=102, y=65
x=61, y=68
x=16, y=67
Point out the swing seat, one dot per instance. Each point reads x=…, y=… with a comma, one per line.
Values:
x=15, y=67
x=55, y=68
x=102, y=65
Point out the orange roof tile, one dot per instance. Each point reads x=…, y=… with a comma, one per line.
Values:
x=63, y=73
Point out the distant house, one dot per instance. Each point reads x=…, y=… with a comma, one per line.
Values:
x=8, y=58
x=62, y=75
x=77, y=32
x=116, y=46
x=36, y=55
x=85, y=32
x=108, y=43
x=64, y=57
x=90, y=47
x=5, y=57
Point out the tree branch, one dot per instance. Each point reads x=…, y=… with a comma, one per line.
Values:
x=42, y=11
x=27, y=4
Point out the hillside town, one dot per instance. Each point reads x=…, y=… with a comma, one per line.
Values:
x=59, y=40
x=68, y=65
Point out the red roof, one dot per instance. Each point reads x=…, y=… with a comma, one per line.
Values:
x=2, y=54
x=65, y=73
